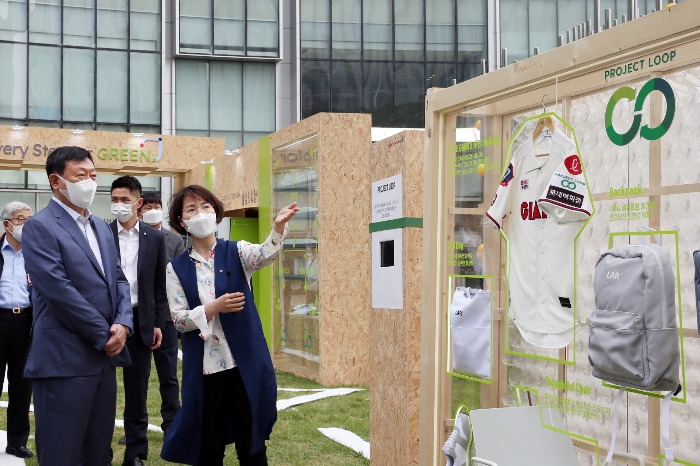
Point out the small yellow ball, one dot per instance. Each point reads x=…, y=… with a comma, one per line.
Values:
x=480, y=169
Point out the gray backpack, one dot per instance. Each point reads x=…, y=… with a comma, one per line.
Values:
x=633, y=337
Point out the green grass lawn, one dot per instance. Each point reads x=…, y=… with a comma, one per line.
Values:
x=295, y=438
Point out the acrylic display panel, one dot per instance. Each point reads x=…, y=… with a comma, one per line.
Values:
x=295, y=283
x=472, y=154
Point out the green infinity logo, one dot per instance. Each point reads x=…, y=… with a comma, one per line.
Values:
x=650, y=134
x=568, y=184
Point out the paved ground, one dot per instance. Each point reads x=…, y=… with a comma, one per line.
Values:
x=5, y=459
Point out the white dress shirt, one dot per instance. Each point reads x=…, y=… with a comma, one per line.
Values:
x=85, y=227
x=14, y=288
x=217, y=354
x=129, y=253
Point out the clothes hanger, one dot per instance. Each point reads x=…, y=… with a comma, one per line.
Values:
x=546, y=122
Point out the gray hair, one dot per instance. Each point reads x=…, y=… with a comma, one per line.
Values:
x=12, y=207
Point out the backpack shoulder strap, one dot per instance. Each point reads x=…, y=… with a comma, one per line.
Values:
x=666, y=424
x=611, y=452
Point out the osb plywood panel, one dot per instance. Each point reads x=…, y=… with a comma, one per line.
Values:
x=193, y=176
x=388, y=157
x=120, y=153
x=344, y=247
x=413, y=174
x=236, y=178
x=297, y=131
x=390, y=395
x=395, y=334
x=412, y=281
x=402, y=153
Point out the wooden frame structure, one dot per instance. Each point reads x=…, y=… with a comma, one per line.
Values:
x=568, y=74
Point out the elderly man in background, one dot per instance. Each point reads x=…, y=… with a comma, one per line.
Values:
x=15, y=326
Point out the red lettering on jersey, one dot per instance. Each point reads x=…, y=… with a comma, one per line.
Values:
x=531, y=211
x=538, y=213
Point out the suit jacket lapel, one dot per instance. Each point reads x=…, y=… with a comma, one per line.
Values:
x=144, y=239
x=104, y=250
x=166, y=242
x=115, y=232
x=101, y=235
x=66, y=222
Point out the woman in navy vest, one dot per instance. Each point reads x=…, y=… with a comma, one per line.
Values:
x=229, y=390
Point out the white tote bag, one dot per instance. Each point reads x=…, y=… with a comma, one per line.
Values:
x=470, y=330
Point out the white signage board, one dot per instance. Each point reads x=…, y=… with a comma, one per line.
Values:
x=387, y=199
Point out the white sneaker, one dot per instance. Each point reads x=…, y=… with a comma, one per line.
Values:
x=455, y=448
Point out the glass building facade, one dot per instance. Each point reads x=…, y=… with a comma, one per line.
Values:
x=85, y=64
x=240, y=69
x=380, y=56
x=526, y=24
x=91, y=64
x=225, y=69
x=217, y=94
x=226, y=59
x=242, y=28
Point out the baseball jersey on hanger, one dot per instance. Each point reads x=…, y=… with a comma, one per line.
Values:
x=543, y=201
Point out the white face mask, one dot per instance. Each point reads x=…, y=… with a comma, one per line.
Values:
x=123, y=212
x=153, y=217
x=80, y=193
x=17, y=232
x=201, y=225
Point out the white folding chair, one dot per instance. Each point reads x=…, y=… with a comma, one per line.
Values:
x=517, y=437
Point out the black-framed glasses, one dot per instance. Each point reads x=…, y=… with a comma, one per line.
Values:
x=20, y=220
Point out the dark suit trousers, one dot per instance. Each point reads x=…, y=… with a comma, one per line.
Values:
x=225, y=399
x=166, y=365
x=75, y=418
x=14, y=344
x=135, y=395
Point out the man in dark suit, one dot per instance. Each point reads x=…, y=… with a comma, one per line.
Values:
x=82, y=315
x=165, y=357
x=142, y=253
x=15, y=325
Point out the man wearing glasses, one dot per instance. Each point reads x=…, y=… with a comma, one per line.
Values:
x=15, y=325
